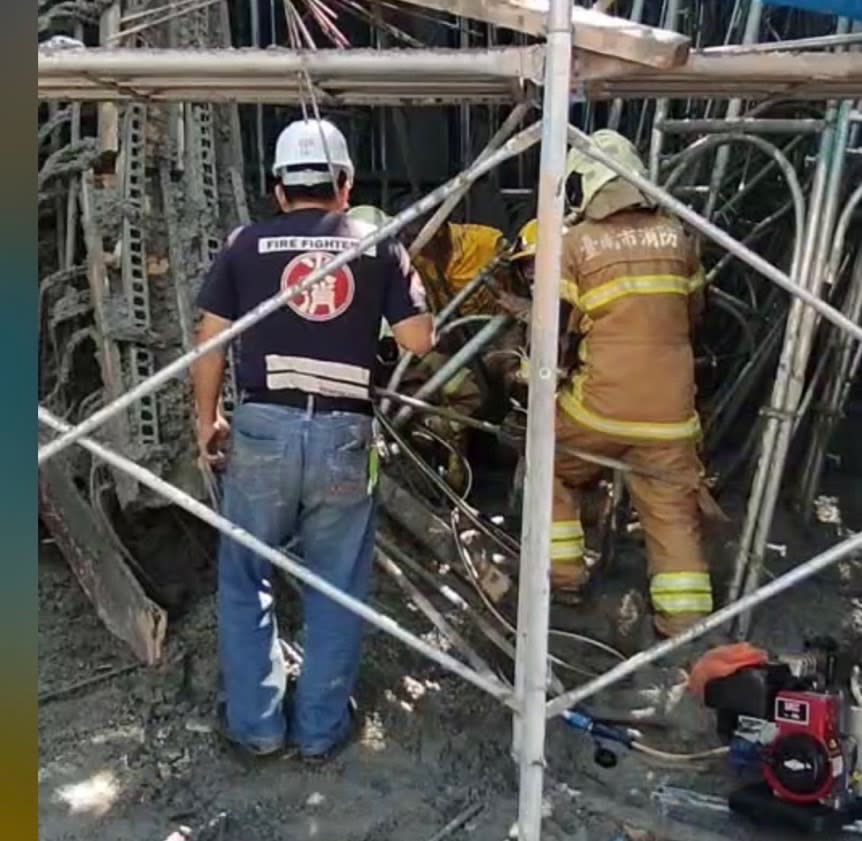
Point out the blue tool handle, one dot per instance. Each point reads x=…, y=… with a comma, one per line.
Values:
x=585, y=723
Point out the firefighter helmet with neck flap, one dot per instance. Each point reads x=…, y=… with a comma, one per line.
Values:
x=595, y=175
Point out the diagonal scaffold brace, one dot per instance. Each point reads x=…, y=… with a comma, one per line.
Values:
x=286, y=561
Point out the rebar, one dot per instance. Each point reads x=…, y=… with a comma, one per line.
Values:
x=440, y=320
x=734, y=107
x=431, y=227
x=842, y=369
x=769, y=149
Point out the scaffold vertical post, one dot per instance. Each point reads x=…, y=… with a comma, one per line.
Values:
x=534, y=597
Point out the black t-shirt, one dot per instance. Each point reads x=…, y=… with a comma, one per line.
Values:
x=325, y=341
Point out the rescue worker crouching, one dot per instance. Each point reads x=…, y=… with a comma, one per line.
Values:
x=633, y=282
x=301, y=460
x=454, y=256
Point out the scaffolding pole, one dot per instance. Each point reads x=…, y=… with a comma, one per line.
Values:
x=843, y=362
x=531, y=665
x=790, y=378
x=521, y=141
x=734, y=108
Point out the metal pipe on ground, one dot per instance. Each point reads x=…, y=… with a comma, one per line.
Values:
x=531, y=666
x=283, y=560
x=784, y=582
x=434, y=616
x=498, y=639
x=515, y=146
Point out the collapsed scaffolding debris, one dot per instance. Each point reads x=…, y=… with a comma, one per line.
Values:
x=165, y=184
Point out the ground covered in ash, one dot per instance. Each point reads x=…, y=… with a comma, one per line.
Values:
x=133, y=756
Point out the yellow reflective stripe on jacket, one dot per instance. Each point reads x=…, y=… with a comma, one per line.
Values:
x=571, y=401
x=620, y=287
x=567, y=541
x=566, y=528
x=569, y=291
x=697, y=280
x=681, y=592
x=567, y=551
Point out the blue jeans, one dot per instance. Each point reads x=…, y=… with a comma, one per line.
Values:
x=293, y=474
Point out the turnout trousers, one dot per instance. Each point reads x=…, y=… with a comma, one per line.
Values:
x=293, y=475
x=669, y=514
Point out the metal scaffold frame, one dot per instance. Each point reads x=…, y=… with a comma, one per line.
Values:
x=529, y=701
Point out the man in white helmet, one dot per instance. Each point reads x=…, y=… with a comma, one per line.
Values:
x=632, y=279
x=300, y=464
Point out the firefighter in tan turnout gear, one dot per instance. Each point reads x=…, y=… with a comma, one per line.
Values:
x=632, y=281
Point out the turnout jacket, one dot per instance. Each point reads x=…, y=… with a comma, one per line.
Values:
x=634, y=282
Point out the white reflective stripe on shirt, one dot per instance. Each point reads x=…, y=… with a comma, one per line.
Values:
x=319, y=368
x=316, y=376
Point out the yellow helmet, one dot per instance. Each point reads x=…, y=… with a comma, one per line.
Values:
x=596, y=175
x=526, y=244
x=368, y=213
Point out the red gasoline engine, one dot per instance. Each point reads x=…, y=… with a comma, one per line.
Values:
x=808, y=760
x=791, y=726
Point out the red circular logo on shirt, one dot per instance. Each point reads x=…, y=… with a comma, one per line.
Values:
x=329, y=298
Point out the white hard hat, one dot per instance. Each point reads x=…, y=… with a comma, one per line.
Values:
x=315, y=144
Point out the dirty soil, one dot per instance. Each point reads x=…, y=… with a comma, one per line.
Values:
x=132, y=755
